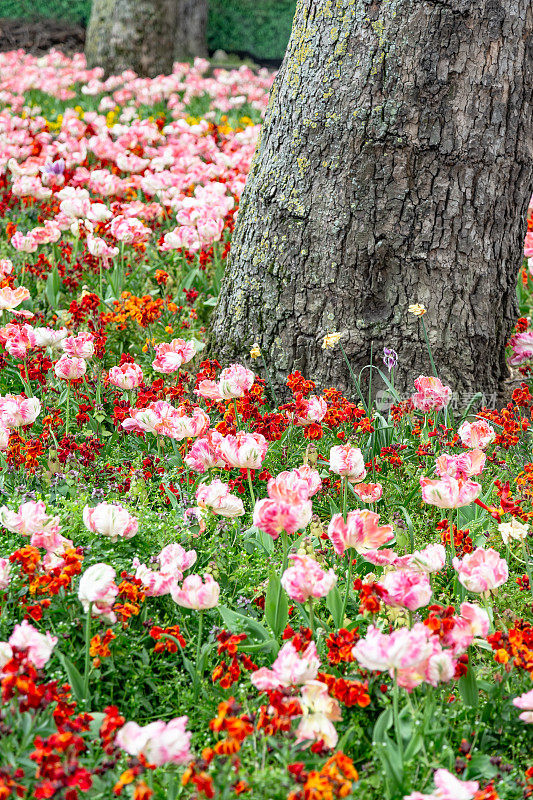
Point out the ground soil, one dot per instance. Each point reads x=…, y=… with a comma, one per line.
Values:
x=37, y=36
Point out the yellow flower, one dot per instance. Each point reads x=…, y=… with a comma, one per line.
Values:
x=417, y=309
x=255, y=352
x=330, y=340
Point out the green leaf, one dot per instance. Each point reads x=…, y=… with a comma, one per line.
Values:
x=240, y=622
x=468, y=687
x=276, y=605
x=383, y=723
x=335, y=604
x=74, y=678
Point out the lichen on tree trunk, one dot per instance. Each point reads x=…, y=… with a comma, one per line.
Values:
x=394, y=166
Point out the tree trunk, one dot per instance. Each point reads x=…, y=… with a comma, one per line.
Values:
x=394, y=166
x=145, y=35
x=191, y=30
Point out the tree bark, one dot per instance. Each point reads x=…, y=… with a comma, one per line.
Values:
x=145, y=35
x=394, y=167
x=191, y=30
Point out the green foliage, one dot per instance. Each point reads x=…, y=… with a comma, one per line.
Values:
x=243, y=26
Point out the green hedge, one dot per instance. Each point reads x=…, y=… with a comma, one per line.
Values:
x=258, y=27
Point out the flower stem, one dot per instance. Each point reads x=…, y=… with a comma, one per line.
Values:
x=285, y=542
x=68, y=409
x=198, y=650
x=87, y=655
x=237, y=420
x=348, y=586
x=396, y=714
x=250, y=485
x=344, y=498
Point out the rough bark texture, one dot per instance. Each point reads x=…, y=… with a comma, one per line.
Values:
x=145, y=35
x=394, y=166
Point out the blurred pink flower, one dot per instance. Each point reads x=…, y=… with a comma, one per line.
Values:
x=525, y=701
x=462, y=466
x=38, y=646
x=448, y=788
x=245, y=450
x=274, y=516
x=159, y=742
x=80, y=346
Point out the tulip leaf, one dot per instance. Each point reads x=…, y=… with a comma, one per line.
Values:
x=276, y=605
x=468, y=688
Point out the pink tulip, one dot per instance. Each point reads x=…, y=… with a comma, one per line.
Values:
x=159, y=742
x=463, y=466
x=97, y=586
x=99, y=248
x=478, y=434
x=525, y=701
x=290, y=668
x=431, y=394
x=306, y=578
x=273, y=516
x=163, y=419
x=80, y=346
x=472, y=623
x=522, y=345
x=245, y=450
x=307, y=473
x=205, y=453
x=111, y=520
x=70, y=369
x=171, y=355
x=431, y=559
x=234, y=381
x=17, y=411
x=216, y=497
x=288, y=487
x=195, y=594
x=320, y=711
x=6, y=267
x=406, y=588
x=38, y=646
x=411, y=656
x=360, y=531
x=126, y=376
x=11, y=298
x=448, y=788
x=482, y=570
x=5, y=569
x=31, y=518
x=449, y=492
x=18, y=339
x=348, y=462
x=311, y=409
x=368, y=492
x=174, y=558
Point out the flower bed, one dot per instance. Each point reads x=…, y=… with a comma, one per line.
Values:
x=205, y=592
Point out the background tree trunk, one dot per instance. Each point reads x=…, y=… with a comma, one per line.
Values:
x=394, y=166
x=191, y=30
x=145, y=35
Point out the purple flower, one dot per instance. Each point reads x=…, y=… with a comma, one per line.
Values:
x=390, y=358
x=54, y=167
